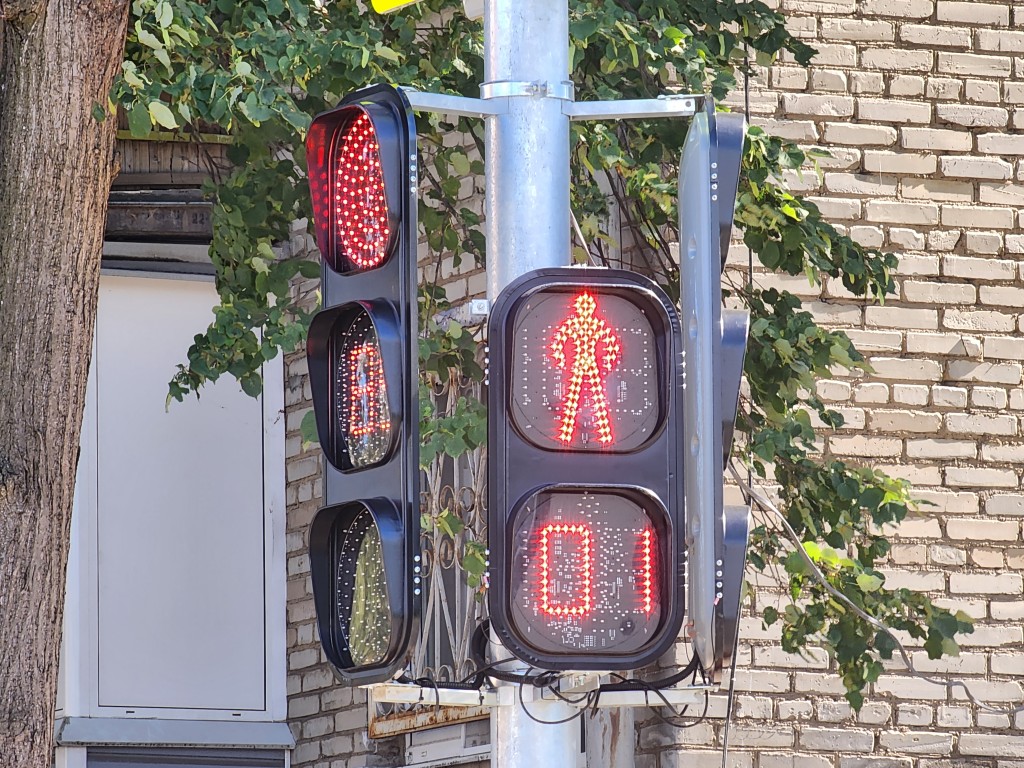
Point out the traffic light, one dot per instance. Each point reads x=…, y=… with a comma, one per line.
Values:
x=584, y=469
x=362, y=357
x=714, y=346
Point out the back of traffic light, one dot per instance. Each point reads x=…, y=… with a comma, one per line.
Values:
x=584, y=469
x=362, y=357
x=714, y=344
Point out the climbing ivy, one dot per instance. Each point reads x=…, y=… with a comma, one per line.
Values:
x=256, y=72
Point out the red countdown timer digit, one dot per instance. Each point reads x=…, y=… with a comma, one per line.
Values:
x=587, y=570
x=586, y=372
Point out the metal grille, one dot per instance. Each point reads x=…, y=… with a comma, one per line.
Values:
x=451, y=608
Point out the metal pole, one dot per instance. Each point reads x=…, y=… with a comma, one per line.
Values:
x=526, y=61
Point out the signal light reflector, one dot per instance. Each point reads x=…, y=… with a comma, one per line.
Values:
x=585, y=371
x=586, y=571
x=364, y=423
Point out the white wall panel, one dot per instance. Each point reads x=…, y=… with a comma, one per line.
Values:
x=176, y=606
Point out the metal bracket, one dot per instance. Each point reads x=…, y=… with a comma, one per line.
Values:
x=494, y=97
x=455, y=106
x=502, y=88
x=683, y=105
x=676, y=697
x=404, y=693
x=571, y=687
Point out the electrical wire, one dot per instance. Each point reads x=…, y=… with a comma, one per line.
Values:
x=766, y=505
x=634, y=684
x=529, y=714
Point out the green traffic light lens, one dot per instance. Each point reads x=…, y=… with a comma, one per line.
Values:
x=360, y=590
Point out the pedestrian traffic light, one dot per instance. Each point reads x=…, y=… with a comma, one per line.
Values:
x=714, y=345
x=362, y=357
x=584, y=469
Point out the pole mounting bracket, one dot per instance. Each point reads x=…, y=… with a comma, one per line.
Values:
x=564, y=90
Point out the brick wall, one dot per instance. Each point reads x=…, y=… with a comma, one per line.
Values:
x=921, y=103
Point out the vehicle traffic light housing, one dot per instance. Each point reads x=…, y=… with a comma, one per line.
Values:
x=362, y=357
x=584, y=469
x=714, y=346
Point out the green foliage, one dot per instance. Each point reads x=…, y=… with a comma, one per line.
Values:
x=447, y=355
x=255, y=72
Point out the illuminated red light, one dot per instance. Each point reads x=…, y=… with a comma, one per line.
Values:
x=366, y=382
x=364, y=415
x=359, y=200
x=646, y=580
x=595, y=352
x=581, y=606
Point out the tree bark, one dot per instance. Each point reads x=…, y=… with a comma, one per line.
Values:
x=58, y=59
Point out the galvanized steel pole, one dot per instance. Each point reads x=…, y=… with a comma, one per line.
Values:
x=526, y=62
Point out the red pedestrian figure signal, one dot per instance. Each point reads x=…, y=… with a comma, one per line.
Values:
x=584, y=456
x=596, y=352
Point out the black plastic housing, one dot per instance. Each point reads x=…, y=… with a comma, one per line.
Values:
x=388, y=293
x=517, y=469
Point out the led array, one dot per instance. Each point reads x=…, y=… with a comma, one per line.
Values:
x=582, y=605
x=364, y=414
x=586, y=333
x=360, y=204
x=361, y=590
x=647, y=570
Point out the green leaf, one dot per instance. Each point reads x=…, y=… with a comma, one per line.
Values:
x=460, y=163
x=164, y=14
x=161, y=113
x=148, y=39
x=130, y=74
x=869, y=582
x=252, y=384
x=307, y=429
x=474, y=563
x=139, y=121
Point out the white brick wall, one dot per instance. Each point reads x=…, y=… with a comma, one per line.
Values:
x=921, y=103
x=921, y=99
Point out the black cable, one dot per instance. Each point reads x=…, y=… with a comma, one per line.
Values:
x=587, y=696
x=522, y=703
x=642, y=685
x=478, y=651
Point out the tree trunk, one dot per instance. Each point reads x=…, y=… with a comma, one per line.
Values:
x=58, y=59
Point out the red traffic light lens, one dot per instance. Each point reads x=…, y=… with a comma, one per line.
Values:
x=355, y=212
x=363, y=619
x=587, y=572
x=359, y=202
x=584, y=371
x=364, y=432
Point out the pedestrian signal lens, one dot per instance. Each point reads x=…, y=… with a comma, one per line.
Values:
x=363, y=623
x=585, y=372
x=365, y=434
x=587, y=572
